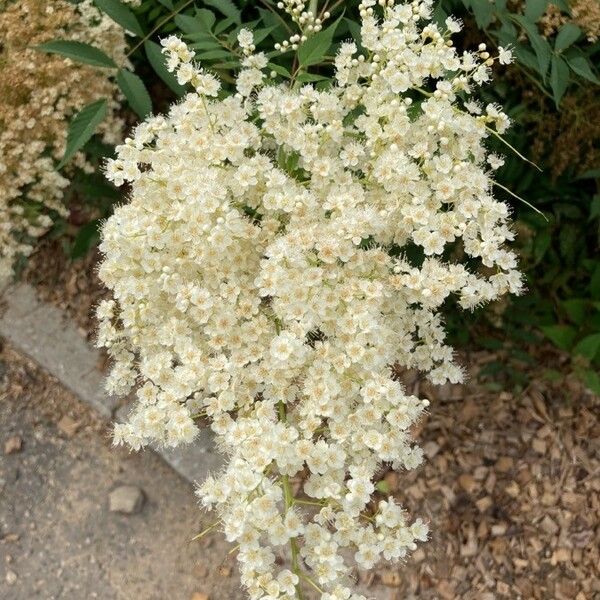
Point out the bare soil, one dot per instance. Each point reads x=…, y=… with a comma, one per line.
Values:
x=58, y=538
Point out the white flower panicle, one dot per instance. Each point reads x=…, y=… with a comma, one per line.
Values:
x=281, y=250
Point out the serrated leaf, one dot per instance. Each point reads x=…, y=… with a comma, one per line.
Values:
x=86, y=237
x=262, y=34
x=205, y=45
x=121, y=14
x=224, y=24
x=280, y=70
x=158, y=61
x=78, y=51
x=483, y=11
x=581, y=65
x=214, y=54
x=541, y=47
x=595, y=283
x=310, y=77
x=588, y=347
x=207, y=17
x=576, y=309
x=191, y=25
x=315, y=47
x=561, y=336
x=559, y=78
x=592, y=380
x=534, y=9
x=567, y=36
x=227, y=8
x=135, y=91
x=82, y=127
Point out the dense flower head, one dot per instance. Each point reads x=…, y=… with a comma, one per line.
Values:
x=38, y=94
x=282, y=249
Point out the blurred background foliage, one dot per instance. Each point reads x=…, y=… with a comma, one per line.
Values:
x=550, y=92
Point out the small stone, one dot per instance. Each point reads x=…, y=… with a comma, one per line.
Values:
x=467, y=482
x=539, y=446
x=199, y=596
x=68, y=426
x=13, y=444
x=126, y=499
x=11, y=577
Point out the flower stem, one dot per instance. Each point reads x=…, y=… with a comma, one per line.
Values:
x=288, y=497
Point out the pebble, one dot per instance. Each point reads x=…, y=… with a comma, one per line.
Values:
x=199, y=596
x=11, y=577
x=13, y=444
x=126, y=499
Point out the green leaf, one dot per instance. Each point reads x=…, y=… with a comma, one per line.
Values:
x=262, y=34
x=561, y=336
x=483, y=11
x=595, y=283
x=576, y=309
x=559, y=78
x=135, y=91
x=78, y=51
x=541, y=243
x=189, y=24
x=588, y=347
x=206, y=17
x=310, y=77
x=158, y=61
x=567, y=36
x=542, y=48
x=592, y=380
x=82, y=127
x=86, y=237
x=226, y=7
x=121, y=14
x=280, y=70
x=581, y=65
x=214, y=54
x=534, y=9
x=224, y=24
x=315, y=47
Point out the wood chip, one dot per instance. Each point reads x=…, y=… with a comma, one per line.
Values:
x=68, y=426
x=467, y=482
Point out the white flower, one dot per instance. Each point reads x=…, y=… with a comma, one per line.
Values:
x=505, y=55
x=259, y=277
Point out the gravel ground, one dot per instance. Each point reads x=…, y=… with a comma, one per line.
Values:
x=58, y=538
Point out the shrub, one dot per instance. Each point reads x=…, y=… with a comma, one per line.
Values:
x=37, y=94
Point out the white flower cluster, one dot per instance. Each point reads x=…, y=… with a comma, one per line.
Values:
x=305, y=18
x=38, y=94
x=281, y=250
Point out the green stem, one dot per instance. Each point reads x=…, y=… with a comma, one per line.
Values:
x=155, y=29
x=288, y=497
